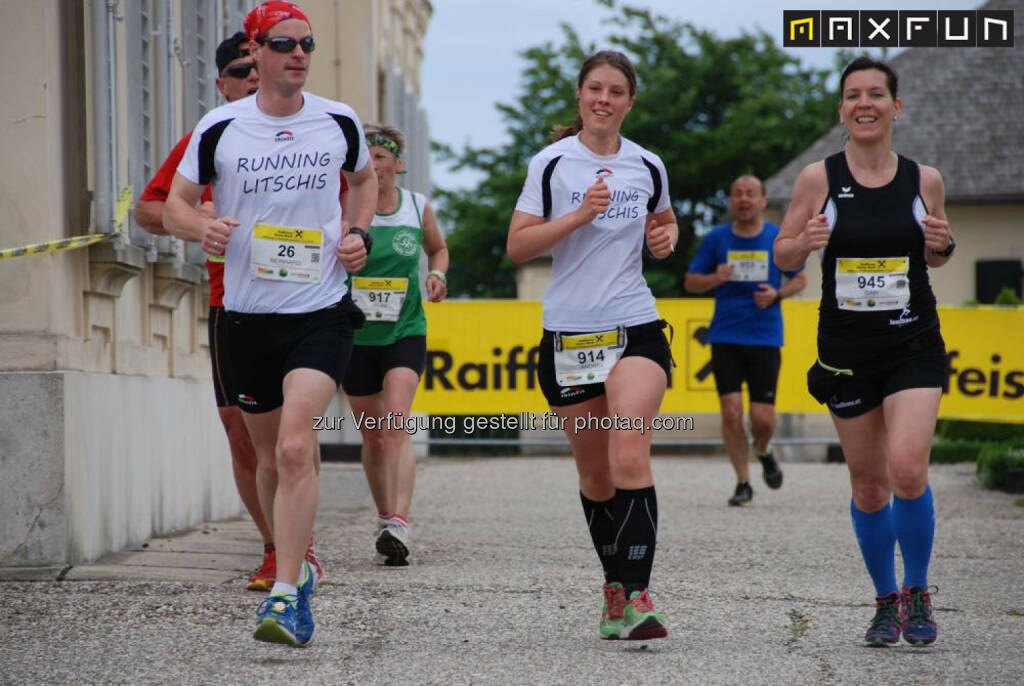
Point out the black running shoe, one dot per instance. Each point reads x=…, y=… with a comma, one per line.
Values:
x=744, y=493
x=772, y=473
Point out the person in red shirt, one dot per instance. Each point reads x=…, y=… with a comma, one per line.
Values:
x=238, y=79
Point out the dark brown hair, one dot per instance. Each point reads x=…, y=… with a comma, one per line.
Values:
x=612, y=58
x=865, y=62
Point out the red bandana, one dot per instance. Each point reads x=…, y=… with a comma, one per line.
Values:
x=270, y=13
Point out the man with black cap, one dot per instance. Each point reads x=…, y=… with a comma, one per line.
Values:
x=238, y=78
x=273, y=162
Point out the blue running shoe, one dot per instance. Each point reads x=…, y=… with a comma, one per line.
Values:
x=916, y=616
x=277, y=620
x=304, y=624
x=885, y=626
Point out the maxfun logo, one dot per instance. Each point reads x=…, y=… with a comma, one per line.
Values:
x=282, y=136
x=897, y=28
x=604, y=171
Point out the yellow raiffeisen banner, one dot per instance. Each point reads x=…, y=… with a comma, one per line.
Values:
x=481, y=359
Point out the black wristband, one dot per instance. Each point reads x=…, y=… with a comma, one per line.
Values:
x=948, y=252
x=367, y=238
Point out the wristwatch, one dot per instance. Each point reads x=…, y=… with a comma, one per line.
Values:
x=367, y=238
x=948, y=251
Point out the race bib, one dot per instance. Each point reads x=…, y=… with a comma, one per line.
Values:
x=748, y=265
x=587, y=358
x=380, y=298
x=280, y=253
x=877, y=283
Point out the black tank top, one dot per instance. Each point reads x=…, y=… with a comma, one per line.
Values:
x=874, y=277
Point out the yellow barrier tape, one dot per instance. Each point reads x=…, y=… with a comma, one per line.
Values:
x=54, y=246
x=125, y=200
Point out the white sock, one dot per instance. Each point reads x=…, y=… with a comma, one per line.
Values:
x=281, y=588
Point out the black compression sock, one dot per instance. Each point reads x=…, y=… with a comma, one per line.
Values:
x=636, y=523
x=602, y=531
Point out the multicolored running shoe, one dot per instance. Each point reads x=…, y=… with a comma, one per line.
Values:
x=262, y=579
x=916, y=617
x=277, y=615
x=885, y=626
x=304, y=624
x=314, y=561
x=640, y=621
x=611, y=613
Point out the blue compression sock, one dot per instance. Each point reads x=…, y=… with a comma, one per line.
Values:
x=914, y=523
x=877, y=539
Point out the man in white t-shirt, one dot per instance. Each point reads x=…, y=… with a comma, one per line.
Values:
x=273, y=161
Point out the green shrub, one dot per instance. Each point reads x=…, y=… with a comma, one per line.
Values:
x=956, y=451
x=987, y=432
x=1007, y=296
x=995, y=459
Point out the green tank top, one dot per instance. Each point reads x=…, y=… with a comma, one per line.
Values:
x=387, y=289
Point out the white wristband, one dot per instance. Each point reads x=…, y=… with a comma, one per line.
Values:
x=439, y=274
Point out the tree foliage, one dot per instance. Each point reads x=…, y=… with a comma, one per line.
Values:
x=712, y=108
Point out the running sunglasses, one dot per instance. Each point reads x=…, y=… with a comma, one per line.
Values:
x=240, y=71
x=285, y=45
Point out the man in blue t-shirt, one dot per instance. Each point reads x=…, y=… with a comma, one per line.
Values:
x=735, y=260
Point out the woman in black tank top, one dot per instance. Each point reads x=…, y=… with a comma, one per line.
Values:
x=877, y=221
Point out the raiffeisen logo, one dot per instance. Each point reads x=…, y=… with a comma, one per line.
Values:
x=282, y=136
x=510, y=370
x=994, y=382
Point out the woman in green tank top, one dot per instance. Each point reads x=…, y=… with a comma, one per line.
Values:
x=390, y=349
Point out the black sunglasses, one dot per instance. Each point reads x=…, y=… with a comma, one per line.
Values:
x=285, y=45
x=240, y=71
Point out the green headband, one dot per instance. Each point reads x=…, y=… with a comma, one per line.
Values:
x=382, y=141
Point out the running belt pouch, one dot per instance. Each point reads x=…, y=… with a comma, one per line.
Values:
x=821, y=383
x=356, y=318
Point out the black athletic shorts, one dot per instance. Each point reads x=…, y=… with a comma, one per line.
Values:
x=851, y=378
x=644, y=340
x=217, y=326
x=369, y=363
x=263, y=348
x=758, y=365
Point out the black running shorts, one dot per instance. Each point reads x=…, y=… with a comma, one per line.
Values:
x=217, y=326
x=857, y=381
x=644, y=340
x=369, y=363
x=758, y=365
x=264, y=347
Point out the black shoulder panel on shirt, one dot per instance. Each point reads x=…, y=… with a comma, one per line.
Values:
x=348, y=127
x=652, y=203
x=207, y=150
x=545, y=185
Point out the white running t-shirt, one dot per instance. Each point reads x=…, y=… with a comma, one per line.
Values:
x=597, y=277
x=281, y=173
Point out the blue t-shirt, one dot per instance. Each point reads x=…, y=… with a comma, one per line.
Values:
x=737, y=317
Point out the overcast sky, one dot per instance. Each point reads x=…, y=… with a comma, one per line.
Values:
x=471, y=54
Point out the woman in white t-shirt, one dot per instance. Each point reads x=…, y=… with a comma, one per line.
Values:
x=593, y=198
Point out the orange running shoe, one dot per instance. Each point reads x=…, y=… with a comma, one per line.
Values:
x=314, y=561
x=263, y=578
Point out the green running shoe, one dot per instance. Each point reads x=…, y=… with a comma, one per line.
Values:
x=611, y=613
x=640, y=621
